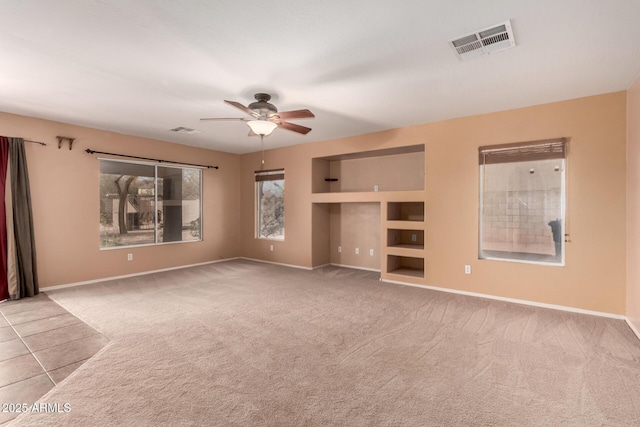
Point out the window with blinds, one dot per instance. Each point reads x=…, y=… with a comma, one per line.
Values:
x=270, y=204
x=522, y=201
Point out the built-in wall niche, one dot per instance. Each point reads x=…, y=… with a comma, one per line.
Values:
x=410, y=239
x=405, y=211
x=393, y=169
x=405, y=266
x=354, y=231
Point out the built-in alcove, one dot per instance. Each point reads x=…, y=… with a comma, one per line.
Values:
x=408, y=239
x=405, y=211
x=355, y=227
x=393, y=169
x=343, y=228
x=405, y=266
x=369, y=212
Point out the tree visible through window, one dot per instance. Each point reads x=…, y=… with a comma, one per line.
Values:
x=522, y=201
x=143, y=204
x=270, y=204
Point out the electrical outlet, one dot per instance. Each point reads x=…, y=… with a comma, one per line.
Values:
x=271, y=248
x=371, y=252
x=339, y=249
x=467, y=269
x=375, y=188
x=357, y=251
x=129, y=257
x=414, y=237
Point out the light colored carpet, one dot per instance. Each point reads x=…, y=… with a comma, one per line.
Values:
x=243, y=343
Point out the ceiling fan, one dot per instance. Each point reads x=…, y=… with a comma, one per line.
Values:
x=265, y=116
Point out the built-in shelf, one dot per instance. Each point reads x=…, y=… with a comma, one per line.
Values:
x=408, y=246
x=405, y=266
x=405, y=238
x=402, y=273
x=405, y=211
x=405, y=229
x=406, y=252
x=364, y=196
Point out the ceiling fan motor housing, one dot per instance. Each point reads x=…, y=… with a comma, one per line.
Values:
x=262, y=106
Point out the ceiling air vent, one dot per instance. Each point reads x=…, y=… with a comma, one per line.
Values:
x=188, y=131
x=488, y=40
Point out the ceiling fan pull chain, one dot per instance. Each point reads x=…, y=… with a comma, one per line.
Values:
x=262, y=148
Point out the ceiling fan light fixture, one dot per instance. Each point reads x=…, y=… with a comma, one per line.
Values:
x=261, y=127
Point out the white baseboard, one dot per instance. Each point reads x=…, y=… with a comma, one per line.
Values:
x=276, y=263
x=310, y=268
x=435, y=288
x=124, y=276
x=513, y=300
x=633, y=328
x=321, y=266
x=355, y=267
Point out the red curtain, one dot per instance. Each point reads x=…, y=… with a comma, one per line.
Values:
x=4, y=157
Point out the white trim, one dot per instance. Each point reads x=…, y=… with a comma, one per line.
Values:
x=512, y=300
x=317, y=267
x=377, y=270
x=124, y=276
x=633, y=328
x=146, y=245
x=276, y=263
x=434, y=288
x=524, y=261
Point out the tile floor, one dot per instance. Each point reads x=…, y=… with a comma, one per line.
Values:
x=40, y=345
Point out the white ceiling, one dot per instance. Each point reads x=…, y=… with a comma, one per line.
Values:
x=142, y=67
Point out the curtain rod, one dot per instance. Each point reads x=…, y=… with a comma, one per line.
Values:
x=35, y=142
x=28, y=140
x=90, y=151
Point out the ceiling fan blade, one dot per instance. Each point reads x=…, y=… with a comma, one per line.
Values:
x=293, y=127
x=223, y=118
x=295, y=114
x=241, y=107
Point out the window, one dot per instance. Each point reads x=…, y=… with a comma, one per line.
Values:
x=522, y=201
x=145, y=204
x=270, y=204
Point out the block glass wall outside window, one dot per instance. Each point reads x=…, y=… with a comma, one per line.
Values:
x=146, y=204
x=522, y=202
x=270, y=204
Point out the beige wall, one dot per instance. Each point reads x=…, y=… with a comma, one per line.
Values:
x=594, y=275
x=65, y=200
x=295, y=249
x=633, y=204
x=65, y=197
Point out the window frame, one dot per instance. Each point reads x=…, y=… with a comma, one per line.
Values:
x=558, y=150
x=261, y=176
x=155, y=202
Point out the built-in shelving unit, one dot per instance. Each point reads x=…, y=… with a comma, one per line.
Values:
x=405, y=252
x=393, y=179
